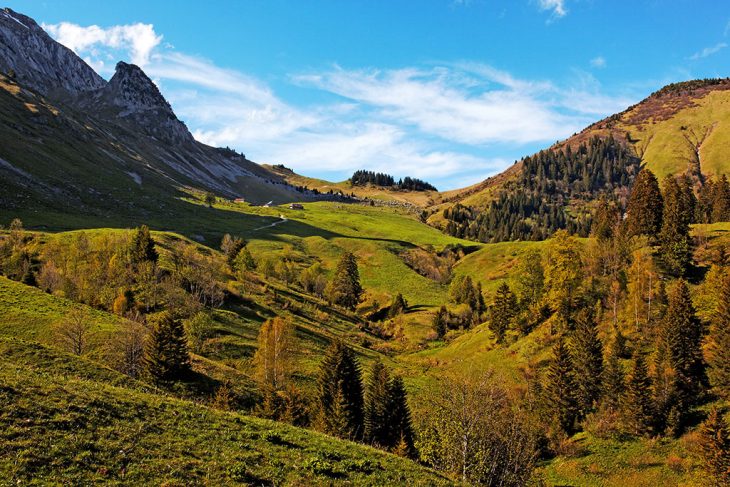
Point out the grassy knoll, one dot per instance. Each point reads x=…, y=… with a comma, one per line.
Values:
x=85, y=428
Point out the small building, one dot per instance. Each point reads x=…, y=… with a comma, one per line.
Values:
x=239, y=200
x=296, y=206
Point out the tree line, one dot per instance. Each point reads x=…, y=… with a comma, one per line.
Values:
x=363, y=178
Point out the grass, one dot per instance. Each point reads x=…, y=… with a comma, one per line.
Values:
x=614, y=463
x=81, y=428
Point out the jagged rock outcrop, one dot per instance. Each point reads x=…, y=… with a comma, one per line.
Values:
x=132, y=97
x=41, y=63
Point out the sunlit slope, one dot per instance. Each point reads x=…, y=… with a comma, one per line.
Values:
x=79, y=424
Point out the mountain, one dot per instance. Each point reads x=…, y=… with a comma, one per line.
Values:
x=72, y=143
x=684, y=128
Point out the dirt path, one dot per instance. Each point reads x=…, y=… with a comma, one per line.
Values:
x=282, y=219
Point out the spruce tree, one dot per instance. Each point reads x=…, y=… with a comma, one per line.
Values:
x=613, y=380
x=714, y=442
x=638, y=408
x=398, y=306
x=719, y=343
x=143, y=247
x=345, y=289
x=682, y=335
x=401, y=429
x=644, y=210
x=166, y=351
x=675, y=242
x=440, y=322
x=502, y=311
x=559, y=388
x=721, y=200
x=377, y=410
x=587, y=358
x=339, y=393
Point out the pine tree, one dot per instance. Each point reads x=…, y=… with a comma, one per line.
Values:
x=502, y=311
x=644, y=210
x=587, y=358
x=638, y=409
x=613, y=380
x=714, y=442
x=166, y=350
x=440, y=322
x=143, y=247
x=675, y=242
x=719, y=343
x=398, y=306
x=339, y=393
x=401, y=428
x=682, y=336
x=559, y=388
x=377, y=410
x=345, y=289
x=721, y=200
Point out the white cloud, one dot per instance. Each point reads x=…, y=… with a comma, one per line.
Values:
x=439, y=122
x=557, y=7
x=708, y=51
x=598, y=62
x=138, y=39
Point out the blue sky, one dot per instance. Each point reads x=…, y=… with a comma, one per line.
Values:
x=449, y=91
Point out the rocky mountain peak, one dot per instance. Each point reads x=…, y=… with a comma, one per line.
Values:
x=39, y=62
x=136, y=98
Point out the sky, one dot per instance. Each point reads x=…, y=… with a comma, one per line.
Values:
x=450, y=91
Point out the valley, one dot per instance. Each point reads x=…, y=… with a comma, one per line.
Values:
x=173, y=313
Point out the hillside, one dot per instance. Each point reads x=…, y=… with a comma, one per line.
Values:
x=72, y=143
x=420, y=199
x=683, y=128
x=125, y=433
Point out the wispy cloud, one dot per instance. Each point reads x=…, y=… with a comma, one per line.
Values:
x=708, y=51
x=556, y=6
x=436, y=121
x=598, y=62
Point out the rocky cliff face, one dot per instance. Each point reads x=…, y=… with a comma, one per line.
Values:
x=41, y=63
x=132, y=97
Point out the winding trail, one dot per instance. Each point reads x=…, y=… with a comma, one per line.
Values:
x=282, y=219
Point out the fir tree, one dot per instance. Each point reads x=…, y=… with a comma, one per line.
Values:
x=721, y=200
x=644, y=210
x=345, y=289
x=587, y=358
x=638, y=409
x=559, y=388
x=377, y=410
x=401, y=429
x=714, y=442
x=502, y=311
x=674, y=239
x=613, y=380
x=143, y=247
x=719, y=343
x=440, y=322
x=398, y=306
x=682, y=336
x=166, y=350
x=339, y=393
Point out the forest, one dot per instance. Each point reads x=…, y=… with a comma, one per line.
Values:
x=363, y=177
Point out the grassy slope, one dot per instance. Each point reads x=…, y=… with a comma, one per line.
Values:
x=418, y=198
x=699, y=134
x=79, y=424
